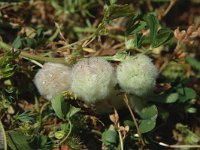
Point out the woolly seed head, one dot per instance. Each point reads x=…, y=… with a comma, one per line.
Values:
x=92, y=79
x=52, y=79
x=137, y=75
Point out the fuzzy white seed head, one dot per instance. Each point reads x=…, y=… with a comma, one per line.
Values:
x=137, y=75
x=93, y=79
x=52, y=79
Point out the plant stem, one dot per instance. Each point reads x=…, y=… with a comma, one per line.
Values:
x=121, y=140
x=40, y=114
x=24, y=54
x=4, y=46
x=172, y=2
x=4, y=135
x=70, y=130
x=42, y=58
x=134, y=119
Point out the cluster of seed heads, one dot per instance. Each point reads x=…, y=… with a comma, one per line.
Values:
x=93, y=79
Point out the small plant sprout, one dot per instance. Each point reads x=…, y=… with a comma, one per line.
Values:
x=52, y=79
x=137, y=75
x=93, y=79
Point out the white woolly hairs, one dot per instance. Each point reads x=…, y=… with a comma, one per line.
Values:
x=137, y=75
x=52, y=79
x=92, y=79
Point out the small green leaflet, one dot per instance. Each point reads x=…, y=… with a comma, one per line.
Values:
x=153, y=24
x=59, y=105
x=110, y=136
x=149, y=116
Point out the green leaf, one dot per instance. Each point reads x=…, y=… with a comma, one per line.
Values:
x=41, y=142
x=129, y=123
x=17, y=140
x=133, y=25
x=110, y=136
x=129, y=44
x=186, y=93
x=138, y=27
x=172, y=97
x=31, y=42
x=174, y=70
x=17, y=42
x=130, y=25
x=188, y=136
x=59, y=105
x=163, y=36
x=149, y=116
x=166, y=98
x=59, y=134
x=72, y=111
x=150, y=112
x=139, y=39
x=191, y=110
x=193, y=62
x=153, y=24
x=116, y=11
x=7, y=67
x=147, y=125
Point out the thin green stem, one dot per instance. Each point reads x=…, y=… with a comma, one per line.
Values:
x=51, y=39
x=40, y=114
x=4, y=46
x=68, y=134
x=24, y=54
x=4, y=136
x=42, y=58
